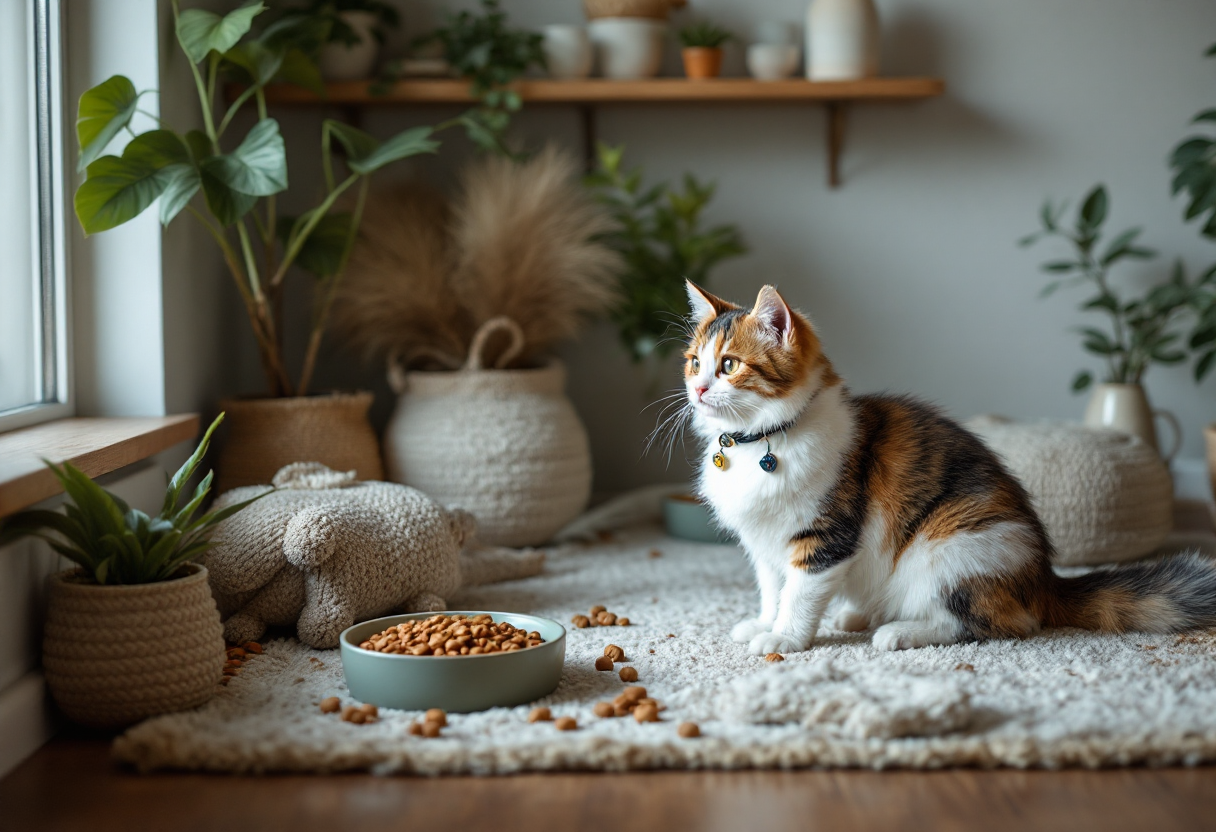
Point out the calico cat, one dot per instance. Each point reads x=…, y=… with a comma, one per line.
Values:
x=909, y=521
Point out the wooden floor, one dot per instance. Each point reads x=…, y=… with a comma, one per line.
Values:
x=72, y=785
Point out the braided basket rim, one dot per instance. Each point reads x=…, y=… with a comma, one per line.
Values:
x=72, y=581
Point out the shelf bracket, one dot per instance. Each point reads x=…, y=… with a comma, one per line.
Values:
x=587, y=114
x=835, y=128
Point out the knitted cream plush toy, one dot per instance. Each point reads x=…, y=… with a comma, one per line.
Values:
x=323, y=551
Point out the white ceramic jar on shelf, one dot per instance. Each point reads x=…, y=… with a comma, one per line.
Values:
x=568, y=51
x=841, y=40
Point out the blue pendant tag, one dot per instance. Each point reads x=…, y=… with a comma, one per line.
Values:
x=768, y=462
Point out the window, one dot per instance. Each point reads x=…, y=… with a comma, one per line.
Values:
x=33, y=331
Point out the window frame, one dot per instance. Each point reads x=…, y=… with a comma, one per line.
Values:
x=54, y=399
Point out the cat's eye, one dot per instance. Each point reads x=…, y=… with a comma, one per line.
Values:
x=696, y=365
x=730, y=366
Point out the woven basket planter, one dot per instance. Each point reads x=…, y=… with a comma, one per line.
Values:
x=114, y=655
x=263, y=435
x=654, y=9
x=506, y=445
x=1104, y=496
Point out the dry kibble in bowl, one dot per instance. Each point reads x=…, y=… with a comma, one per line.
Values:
x=565, y=723
x=603, y=663
x=330, y=704
x=604, y=709
x=457, y=635
x=615, y=653
x=541, y=714
x=689, y=730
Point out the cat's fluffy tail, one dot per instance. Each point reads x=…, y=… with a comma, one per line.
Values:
x=1165, y=596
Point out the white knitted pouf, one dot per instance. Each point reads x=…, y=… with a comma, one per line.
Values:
x=1103, y=495
x=505, y=445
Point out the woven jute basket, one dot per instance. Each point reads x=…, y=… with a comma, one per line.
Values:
x=263, y=435
x=1104, y=496
x=506, y=445
x=654, y=9
x=114, y=655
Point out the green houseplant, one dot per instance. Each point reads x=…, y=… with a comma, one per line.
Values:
x=1140, y=330
x=343, y=36
x=229, y=185
x=132, y=630
x=662, y=241
x=486, y=51
x=702, y=49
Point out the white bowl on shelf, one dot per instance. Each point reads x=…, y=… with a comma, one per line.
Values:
x=772, y=61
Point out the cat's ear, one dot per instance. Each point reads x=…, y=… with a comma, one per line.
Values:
x=772, y=311
x=703, y=304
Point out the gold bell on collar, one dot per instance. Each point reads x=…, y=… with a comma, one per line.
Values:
x=719, y=460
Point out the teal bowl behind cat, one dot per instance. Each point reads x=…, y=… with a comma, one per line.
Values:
x=457, y=684
x=689, y=519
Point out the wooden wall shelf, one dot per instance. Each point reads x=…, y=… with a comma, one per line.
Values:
x=834, y=96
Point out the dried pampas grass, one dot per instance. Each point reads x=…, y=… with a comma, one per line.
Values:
x=517, y=241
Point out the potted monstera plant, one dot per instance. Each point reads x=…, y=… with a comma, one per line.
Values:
x=229, y=184
x=132, y=630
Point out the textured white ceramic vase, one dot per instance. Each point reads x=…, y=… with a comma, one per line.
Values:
x=841, y=40
x=628, y=47
x=568, y=52
x=339, y=62
x=506, y=445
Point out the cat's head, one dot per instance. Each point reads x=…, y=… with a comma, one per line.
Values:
x=749, y=369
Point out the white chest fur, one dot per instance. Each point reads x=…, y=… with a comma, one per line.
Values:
x=767, y=509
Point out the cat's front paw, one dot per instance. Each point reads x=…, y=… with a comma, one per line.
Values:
x=766, y=643
x=749, y=628
x=850, y=621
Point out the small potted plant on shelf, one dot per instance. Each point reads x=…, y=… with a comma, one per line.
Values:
x=1141, y=331
x=348, y=33
x=702, y=49
x=491, y=55
x=230, y=188
x=132, y=630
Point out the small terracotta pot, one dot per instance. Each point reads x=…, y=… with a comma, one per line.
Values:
x=263, y=435
x=701, y=62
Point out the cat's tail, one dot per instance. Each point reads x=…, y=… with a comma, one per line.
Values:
x=1164, y=596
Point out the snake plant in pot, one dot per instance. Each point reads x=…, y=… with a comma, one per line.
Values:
x=132, y=630
x=229, y=184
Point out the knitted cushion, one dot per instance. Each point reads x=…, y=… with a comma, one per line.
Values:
x=323, y=551
x=1103, y=495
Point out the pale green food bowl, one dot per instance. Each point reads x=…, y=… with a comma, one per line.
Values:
x=687, y=518
x=457, y=684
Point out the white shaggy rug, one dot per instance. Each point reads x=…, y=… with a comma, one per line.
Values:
x=1066, y=698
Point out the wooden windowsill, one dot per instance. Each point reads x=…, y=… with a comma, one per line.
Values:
x=95, y=446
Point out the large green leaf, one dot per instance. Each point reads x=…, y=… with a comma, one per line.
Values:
x=322, y=251
x=365, y=153
x=119, y=189
x=258, y=63
x=182, y=182
x=258, y=166
x=199, y=32
x=225, y=204
x=103, y=111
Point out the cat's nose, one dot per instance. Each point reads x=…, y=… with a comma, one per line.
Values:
x=700, y=392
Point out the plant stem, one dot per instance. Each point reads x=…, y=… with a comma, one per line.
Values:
x=322, y=315
x=296, y=242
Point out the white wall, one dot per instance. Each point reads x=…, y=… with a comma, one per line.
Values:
x=910, y=270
